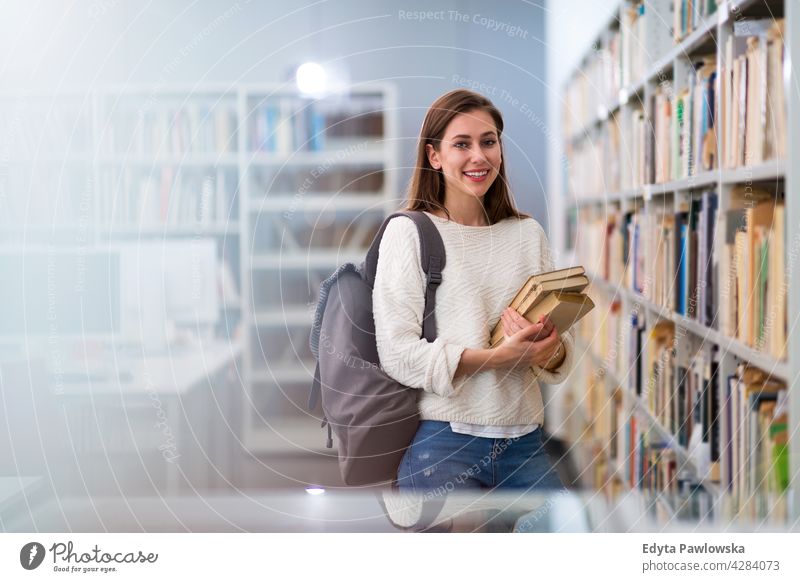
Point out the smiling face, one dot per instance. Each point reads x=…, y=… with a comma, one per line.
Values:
x=468, y=155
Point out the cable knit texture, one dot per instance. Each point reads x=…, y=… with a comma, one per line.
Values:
x=485, y=266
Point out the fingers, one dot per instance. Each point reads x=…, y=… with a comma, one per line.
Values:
x=549, y=343
x=548, y=327
x=513, y=323
x=547, y=323
x=532, y=332
x=510, y=327
x=544, y=349
x=517, y=321
x=535, y=348
x=543, y=333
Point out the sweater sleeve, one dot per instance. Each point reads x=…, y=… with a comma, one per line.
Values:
x=398, y=303
x=560, y=374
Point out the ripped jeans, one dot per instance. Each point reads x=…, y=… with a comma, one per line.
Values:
x=439, y=459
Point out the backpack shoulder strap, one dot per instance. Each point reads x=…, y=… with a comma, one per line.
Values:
x=432, y=255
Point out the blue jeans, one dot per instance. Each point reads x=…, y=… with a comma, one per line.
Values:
x=440, y=460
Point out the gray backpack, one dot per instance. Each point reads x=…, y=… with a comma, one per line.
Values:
x=373, y=416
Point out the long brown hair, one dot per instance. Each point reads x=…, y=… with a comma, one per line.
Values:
x=427, y=186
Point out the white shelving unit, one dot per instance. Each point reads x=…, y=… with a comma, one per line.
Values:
x=303, y=213
x=90, y=167
x=670, y=60
x=273, y=176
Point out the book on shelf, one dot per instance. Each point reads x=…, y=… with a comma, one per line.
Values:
x=616, y=65
x=636, y=252
x=632, y=34
x=754, y=436
x=685, y=140
x=659, y=352
x=661, y=107
x=667, y=256
x=707, y=271
x=284, y=125
x=729, y=113
x=171, y=196
x=701, y=152
x=171, y=129
x=754, y=295
x=689, y=15
x=738, y=285
x=660, y=469
x=634, y=162
x=733, y=429
x=557, y=294
x=687, y=410
x=753, y=101
x=680, y=387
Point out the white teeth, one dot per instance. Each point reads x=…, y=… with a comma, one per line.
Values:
x=477, y=174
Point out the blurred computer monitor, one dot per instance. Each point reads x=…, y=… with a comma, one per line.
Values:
x=167, y=283
x=143, y=306
x=191, y=275
x=129, y=293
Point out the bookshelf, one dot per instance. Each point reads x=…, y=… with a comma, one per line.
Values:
x=317, y=182
x=169, y=158
x=677, y=169
x=289, y=187
x=120, y=164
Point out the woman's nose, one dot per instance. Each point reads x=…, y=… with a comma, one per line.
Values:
x=477, y=154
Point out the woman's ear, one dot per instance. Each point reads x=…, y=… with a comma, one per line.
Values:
x=433, y=157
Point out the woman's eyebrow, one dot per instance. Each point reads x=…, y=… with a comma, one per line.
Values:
x=469, y=136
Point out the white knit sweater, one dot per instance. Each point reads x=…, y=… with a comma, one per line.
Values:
x=485, y=266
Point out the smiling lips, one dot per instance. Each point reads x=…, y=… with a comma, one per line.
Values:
x=477, y=175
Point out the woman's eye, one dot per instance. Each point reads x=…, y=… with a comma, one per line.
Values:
x=486, y=143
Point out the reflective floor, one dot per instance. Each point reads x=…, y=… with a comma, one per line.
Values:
x=369, y=511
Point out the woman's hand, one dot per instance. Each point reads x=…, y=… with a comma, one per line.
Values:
x=529, y=344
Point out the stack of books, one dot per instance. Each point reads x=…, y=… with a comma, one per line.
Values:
x=558, y=294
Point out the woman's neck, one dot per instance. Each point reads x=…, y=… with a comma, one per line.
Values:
x=468, y=213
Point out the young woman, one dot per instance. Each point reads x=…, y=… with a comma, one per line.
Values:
x=481, y=408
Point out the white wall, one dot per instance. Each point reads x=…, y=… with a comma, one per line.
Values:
x=53, y=43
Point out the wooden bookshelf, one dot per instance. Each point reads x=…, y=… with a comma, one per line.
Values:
x=598, y=125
